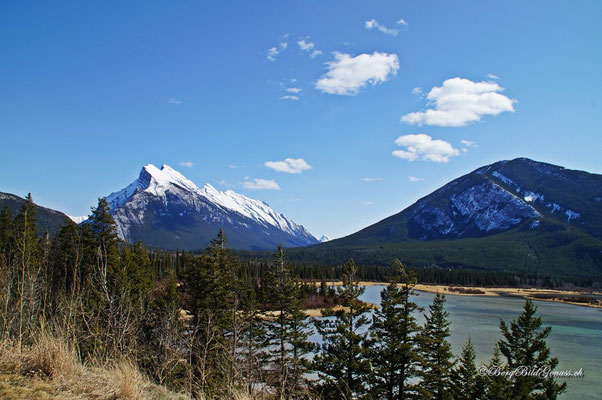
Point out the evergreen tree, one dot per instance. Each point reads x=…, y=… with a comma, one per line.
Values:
x=497, y=386
x=524, y=346
x=287, y=334
x=161, y=331
x=26, y=260
x=342, y=361
x=105, y=238
x=394, y=353
x=435, y=350
x=67, y=257
x=6, y=237
x=211, y=286
x=468, y=384
x=253, y=355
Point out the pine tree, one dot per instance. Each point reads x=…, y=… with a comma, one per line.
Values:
x=394, y=353
x=6, y=237
x=435, y=350
x=524, y=346
x=66, y=260
x=161, y=331
x=26, y=258
x=212, y=289
x=289, y=331
x=342, y=361
x=468, y=384
x=497, y=386
x=253, y=357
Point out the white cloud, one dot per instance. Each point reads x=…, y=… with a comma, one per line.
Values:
x=289, y=165
x=461, y=101
x=347, y=75
x=233, y=166
x=274, y=51
x=402, y=22
x=371, y=179
x=415, y=179
x=261, y=184
x=369, y=203
x=373, y=24
x=294, y=90
x=310, y=47
x=188, y=164
x=305, y=45
x=294, y=98
x=493, y=76
x=417, y=91
x=423, y=147
x=175, y=101
x=468, y=143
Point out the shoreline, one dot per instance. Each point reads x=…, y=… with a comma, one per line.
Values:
x=527, y=293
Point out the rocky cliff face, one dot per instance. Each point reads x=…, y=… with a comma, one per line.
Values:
x=163, y=209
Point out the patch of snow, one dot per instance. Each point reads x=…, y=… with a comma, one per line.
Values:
x=531, y=197
x=504, y=179
x=571, y=215
x=535, y=224
x=554, y=207
x=78, y=220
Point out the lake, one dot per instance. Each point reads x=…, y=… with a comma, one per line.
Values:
x=576, y=337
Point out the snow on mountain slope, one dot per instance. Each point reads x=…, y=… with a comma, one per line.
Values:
x=171, y=201
x=251, y=208
x=494, y=199
x=324, y=238
x=77, y=220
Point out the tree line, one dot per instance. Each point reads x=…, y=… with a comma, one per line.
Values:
x=210, y=325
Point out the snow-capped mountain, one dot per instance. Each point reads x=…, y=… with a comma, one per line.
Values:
x=77, y=220
x=324, y=238
x=164, y=209
x=493, y=199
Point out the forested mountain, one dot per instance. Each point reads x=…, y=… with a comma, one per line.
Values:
x=48, y=220
x=517, y=215
x=165, y=210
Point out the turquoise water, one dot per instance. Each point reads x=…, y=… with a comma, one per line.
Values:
x=576, y=337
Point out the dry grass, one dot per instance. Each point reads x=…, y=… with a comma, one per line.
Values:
x=50, y=369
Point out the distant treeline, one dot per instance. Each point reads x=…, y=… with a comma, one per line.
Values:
x=211, y=325
x=435, y=274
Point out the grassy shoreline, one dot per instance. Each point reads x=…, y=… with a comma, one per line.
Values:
x=540, y=294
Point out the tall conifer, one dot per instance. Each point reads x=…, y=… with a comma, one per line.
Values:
x=524, y=346
x=342, y=361
x=435, y=350
x=394, y=354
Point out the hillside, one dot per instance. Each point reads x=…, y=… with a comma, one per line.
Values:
x=48, y=220
x=519, y=215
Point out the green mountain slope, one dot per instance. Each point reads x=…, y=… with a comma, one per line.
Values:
x=48, y=220
x=518, y=215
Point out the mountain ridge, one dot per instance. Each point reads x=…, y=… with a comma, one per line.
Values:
x=48, y=220
x=519, y=215
x=164, y=209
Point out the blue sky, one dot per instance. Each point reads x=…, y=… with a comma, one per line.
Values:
x=92, y=91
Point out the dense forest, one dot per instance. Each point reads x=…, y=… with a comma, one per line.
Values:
x=214, y=324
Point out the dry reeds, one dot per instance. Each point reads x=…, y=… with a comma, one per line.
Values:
x=52, y=370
